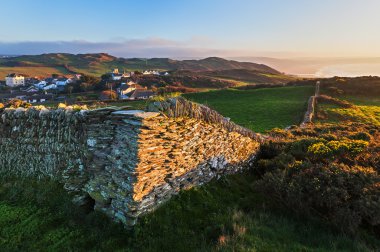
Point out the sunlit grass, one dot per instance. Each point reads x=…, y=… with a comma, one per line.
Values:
x=259, y=109
x=225, y=215
x=366, y=110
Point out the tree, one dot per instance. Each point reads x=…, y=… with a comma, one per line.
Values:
x=84, y=86
x=108, y=95
x=106, y=77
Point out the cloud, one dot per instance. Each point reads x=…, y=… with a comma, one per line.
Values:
x=150, y=47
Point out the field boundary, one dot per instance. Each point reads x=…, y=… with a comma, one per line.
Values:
x=310, y=112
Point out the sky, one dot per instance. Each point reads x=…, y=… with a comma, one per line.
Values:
x=192, y=28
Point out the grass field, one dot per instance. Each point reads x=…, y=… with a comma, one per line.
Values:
x=225, y=215
x=259, y=109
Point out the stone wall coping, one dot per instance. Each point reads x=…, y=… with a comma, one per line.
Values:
x=127, y=112
x=137, y=113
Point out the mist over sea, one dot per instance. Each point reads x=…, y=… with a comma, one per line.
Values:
x=349, y=70
x=321, y=67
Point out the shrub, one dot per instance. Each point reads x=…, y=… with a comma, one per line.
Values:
x=347, y=196
x=320, y=150
x=356, y=146
x=279, y=133
x=338, y=147
x=335, y=91
x=17, y=103
x=331, y=176
x=300, y=147
x=361, y=136
x=271, y=149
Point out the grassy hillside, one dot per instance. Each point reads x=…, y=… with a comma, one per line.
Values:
x=98, y=64
x=363, y=95
x=249, y=76
x=224, y=215
x=259, y=109
x=363, y=109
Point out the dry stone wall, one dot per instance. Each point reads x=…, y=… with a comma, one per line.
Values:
x=309, y=114
x=44, y=143
x=128, y=162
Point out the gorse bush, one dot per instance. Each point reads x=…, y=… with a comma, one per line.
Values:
x=331, y=176
x=15, y=103
x=340, y=148
x=320, y=150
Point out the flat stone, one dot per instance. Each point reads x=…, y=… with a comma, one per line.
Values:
x=127, y=112
x=146, y=115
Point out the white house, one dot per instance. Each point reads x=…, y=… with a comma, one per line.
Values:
x=151, y=72
x=41, y=84
x=51, y=86
x=126, y=89
x=31, y=89
x=14, y=80
x=116, y=75
x=62, y=81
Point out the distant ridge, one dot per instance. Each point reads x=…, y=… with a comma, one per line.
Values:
x=99, y=63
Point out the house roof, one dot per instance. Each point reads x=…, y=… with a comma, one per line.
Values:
x=14, y=75
x=140, y=93
x=126, y=86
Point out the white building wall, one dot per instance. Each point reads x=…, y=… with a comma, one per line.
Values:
x=15, y=81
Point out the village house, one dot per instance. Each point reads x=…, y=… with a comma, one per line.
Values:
x=155, y=72
x=51, y=86
x=151, y=72
x=54, y=83
x=133, y=91
x=14, y=80
x=40, y=98
x=26, y=96
x=31, y=89
x=41, y=84
x=63, y=81
x=141, y=94
x=115, y=75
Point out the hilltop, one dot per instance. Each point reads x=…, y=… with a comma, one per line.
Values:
x=100, y=63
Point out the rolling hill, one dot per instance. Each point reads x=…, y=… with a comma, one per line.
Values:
x=100, y=63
